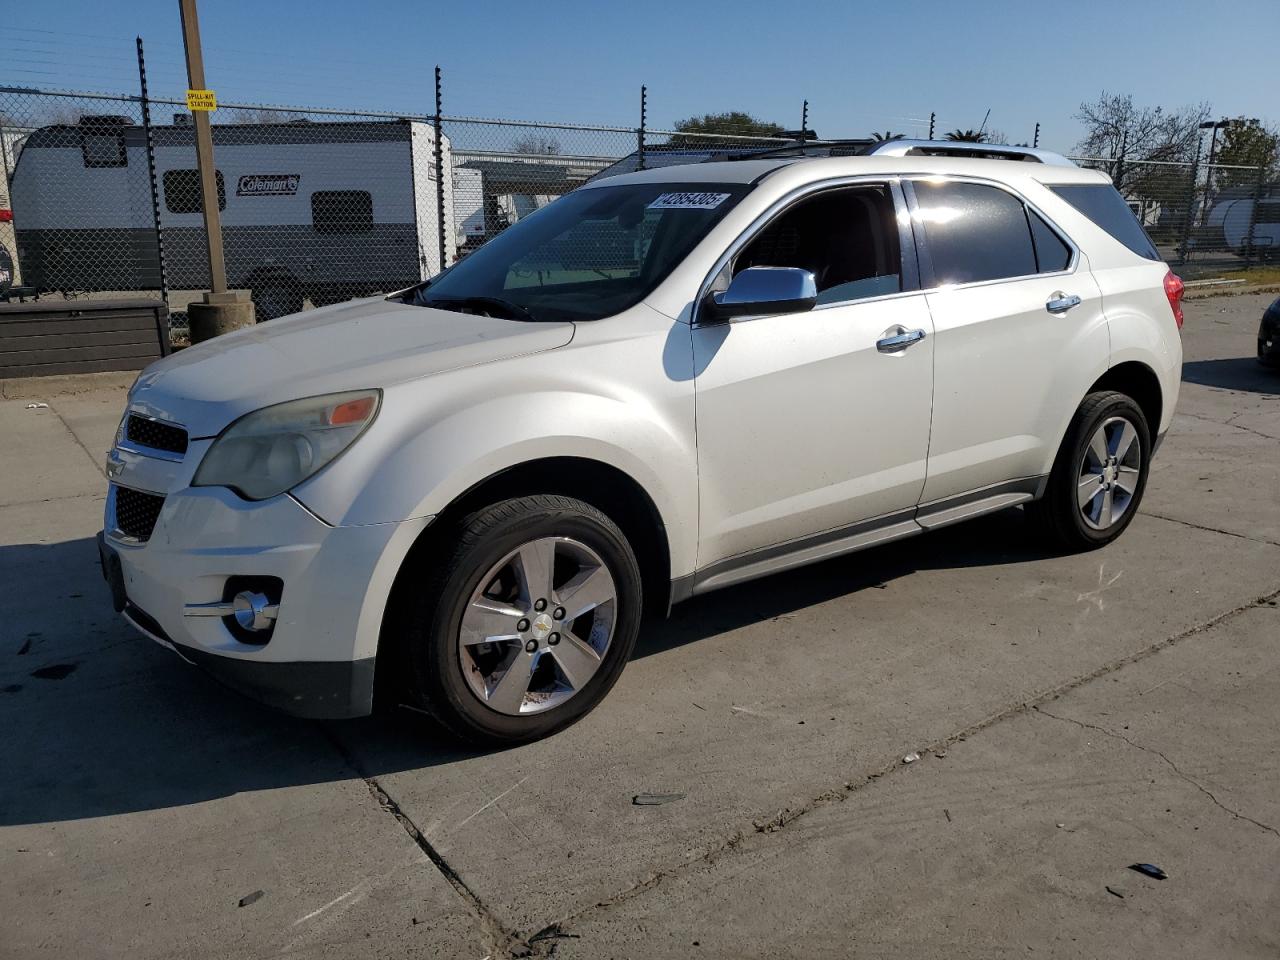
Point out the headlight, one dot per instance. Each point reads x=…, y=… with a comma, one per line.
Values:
x=274, y=449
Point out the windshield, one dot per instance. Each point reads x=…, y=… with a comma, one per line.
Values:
x=588, y=255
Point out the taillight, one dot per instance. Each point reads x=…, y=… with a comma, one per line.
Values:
x=1173, y=287
x=6, y=216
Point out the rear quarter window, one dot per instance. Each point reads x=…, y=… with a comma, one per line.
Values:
x=1102, y=204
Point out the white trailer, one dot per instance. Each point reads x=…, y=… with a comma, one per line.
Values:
x=1234, y=217
x=316, y=210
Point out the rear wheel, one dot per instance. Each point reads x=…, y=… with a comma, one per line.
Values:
x=276, y=297
x=528, y=622
x=1099, y=475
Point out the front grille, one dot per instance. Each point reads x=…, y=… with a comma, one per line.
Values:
x=157, y=435
x=137, y=512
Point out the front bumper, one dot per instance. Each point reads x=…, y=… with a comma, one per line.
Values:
x=319, y=660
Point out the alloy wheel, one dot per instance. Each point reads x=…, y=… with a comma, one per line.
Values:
x=1109, y=474
x=537, y=627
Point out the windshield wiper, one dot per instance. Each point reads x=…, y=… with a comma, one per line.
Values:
x=513, y=310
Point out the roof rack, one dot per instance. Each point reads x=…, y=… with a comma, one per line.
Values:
x=805, y=148
x=951, y=148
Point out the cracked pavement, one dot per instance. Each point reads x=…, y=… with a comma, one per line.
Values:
x=1073, y=716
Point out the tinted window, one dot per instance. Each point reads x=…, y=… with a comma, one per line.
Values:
x=848, y=240
x=182, y=191
x=1104, y=206
x=342, y=211
x=1052, y=254
x=1268, y=213
x=975, y=232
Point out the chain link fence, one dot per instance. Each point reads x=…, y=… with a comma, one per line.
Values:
x=1204, y=218
x=319, y=206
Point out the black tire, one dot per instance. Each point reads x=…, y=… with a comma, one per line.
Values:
x=1057, y=516
x=432, y=619
x=276, y=297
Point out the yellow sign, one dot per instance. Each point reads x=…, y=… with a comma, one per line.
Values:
x=201, y=100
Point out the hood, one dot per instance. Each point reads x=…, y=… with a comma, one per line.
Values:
x=349, y=346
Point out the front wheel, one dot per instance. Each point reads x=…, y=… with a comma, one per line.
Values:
x=1099, y=475
x=531, y=616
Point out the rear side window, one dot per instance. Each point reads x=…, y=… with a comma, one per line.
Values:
x=975, y=232
x=1105, y=207
x=342, y=211
x=1052, y=254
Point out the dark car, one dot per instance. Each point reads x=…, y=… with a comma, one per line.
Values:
x=1269, y=336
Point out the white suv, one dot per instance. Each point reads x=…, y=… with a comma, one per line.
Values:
x=663, y=383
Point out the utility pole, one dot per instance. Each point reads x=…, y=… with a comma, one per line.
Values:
x=1215, y=126
x=1035, y=141
x=932, y=118
x=221, y=312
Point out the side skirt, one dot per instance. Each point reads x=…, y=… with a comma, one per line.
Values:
x=858, y=536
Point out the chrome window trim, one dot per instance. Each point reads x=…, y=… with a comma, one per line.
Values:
x=928, y=276
x=892, y=182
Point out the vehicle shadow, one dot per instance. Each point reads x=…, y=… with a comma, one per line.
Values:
x=1237, y=373
x=1001, y=538
x=98, y=721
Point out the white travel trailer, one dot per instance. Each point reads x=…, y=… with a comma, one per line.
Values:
x=1234, y=216
x=322, y=211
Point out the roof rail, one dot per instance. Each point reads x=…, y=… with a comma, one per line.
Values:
x=952, y=148
x=799, y=148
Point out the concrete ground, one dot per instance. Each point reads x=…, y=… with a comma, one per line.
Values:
x=1073, y=716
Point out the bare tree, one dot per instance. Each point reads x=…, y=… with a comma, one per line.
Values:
x=540, y=144
x=1117, y=129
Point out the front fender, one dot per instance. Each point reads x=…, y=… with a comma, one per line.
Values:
x=435, y=439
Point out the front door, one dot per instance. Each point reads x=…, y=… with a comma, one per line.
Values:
x=813, y=423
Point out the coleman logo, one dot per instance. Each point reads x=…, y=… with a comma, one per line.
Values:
x=268, y=185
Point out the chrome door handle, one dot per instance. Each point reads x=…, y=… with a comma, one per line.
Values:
x=1062, y=302
x=899, y=340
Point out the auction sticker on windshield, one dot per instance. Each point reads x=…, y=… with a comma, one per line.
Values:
x=688, y=201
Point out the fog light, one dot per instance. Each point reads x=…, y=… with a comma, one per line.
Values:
x=254, y=611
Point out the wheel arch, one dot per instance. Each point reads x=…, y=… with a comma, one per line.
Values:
x=1139, y=381
x=607, y=487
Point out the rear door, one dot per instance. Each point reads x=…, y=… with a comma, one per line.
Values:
x=1019, y=332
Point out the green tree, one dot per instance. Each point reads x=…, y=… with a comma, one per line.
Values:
x=1246, y=143
x=731, y=122
x=966, y=136
x=879, y=137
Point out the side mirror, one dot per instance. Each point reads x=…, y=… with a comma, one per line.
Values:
x=764, y=290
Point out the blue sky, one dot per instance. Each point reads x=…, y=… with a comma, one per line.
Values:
x=861, y=66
